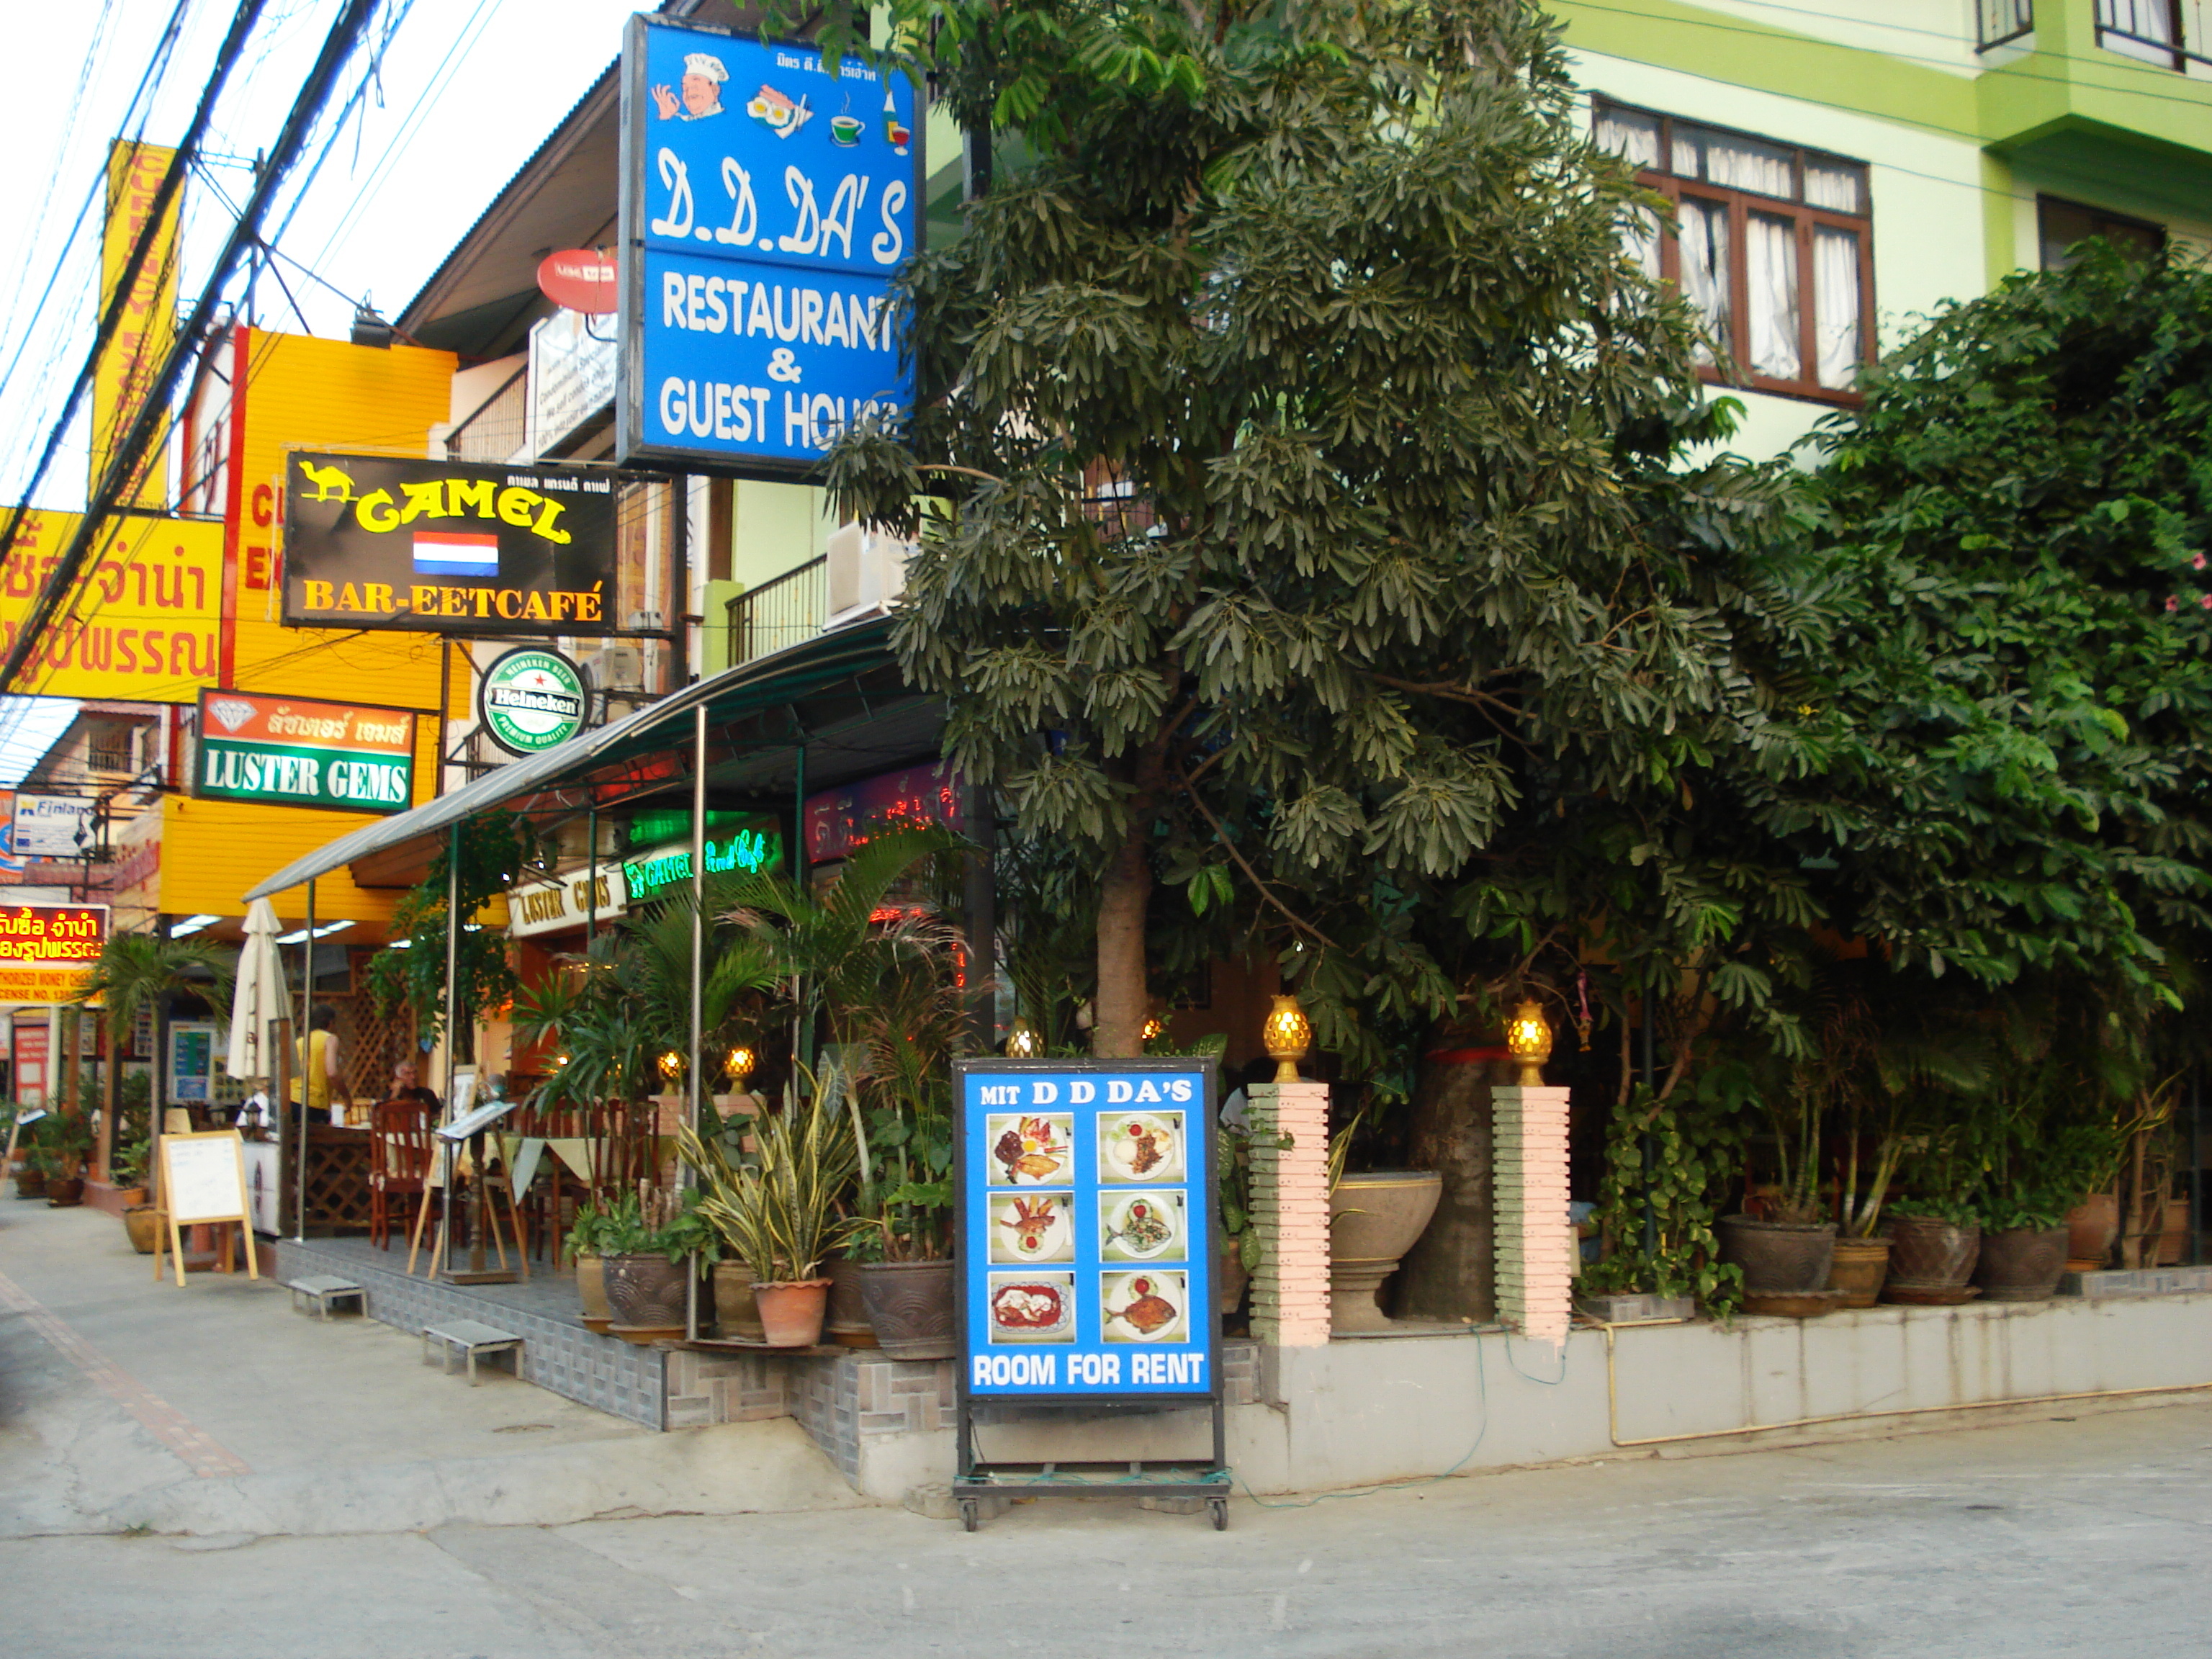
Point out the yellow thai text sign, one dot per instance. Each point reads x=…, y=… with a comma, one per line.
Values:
x=143, y=622
x=48, y=951
x=148, y=326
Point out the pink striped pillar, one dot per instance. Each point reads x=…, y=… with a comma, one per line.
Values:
x=1290, y=1208
x=1535, y=1238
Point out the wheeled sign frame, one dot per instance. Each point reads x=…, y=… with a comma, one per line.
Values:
x=994, y=1098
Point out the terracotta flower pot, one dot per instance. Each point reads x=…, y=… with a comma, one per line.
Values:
x=141, y=1222
x=1858, y=1268
x=792, y=1310
x=735, y=1308
x=910, y=1307
x=1778, y=1256
x=2091, y=1227
x=1374, y=1219
x=592, y=1292
x=1928, y=1254
x=646, y=1295
x=847, y=1322
x=130, y=1198
x=30, y=1183
x=2021, y=1264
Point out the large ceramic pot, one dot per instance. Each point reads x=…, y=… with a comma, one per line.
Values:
x=646, y=1295
x=1374, y=1217
x=30, y=1183
x=910, y=1307
x=592, y=1292
x=65, y=1193
x=2173, y=1240
x=846, y=1323
x=2021, y=1264
x=1928, y=1254
x=142, y=1222
x=792, y=1310
x=1858, y=1268
x=734, y=1310
x=2091, y=1227
x=1778, y=1256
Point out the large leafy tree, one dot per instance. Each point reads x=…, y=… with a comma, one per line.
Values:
x=1309, y=528
x=2020, y=520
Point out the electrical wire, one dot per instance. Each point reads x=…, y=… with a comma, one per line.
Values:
x=338, y=48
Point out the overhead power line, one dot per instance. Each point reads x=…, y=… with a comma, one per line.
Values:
x=125, y=459
x=345, y=36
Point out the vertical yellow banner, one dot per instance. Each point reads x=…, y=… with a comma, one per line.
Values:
x=149, y=323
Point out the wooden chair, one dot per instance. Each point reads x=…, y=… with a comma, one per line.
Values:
x=399, y=1164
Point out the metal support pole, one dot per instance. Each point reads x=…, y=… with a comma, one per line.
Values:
x=306, y=1055
x=2196, y=1166
x=453, y=1048
x=979, y=904
x=1650, y=1148
x=685, y=1175
x=591, y=873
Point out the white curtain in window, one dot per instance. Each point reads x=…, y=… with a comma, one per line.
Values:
x=1771, y=266
x=1633, y=137
x=1702, y=236
x=2137, y=29
x=1744, y=164
x=1836, y=306
x=1641, y=240
x=1830, y=186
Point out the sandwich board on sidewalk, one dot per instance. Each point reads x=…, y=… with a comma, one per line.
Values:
x=203, y=1184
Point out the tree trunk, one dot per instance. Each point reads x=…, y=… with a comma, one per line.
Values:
x=1452, y=1272
x=1124, y=892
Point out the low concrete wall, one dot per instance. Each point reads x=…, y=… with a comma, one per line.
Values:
x=1356, y=1412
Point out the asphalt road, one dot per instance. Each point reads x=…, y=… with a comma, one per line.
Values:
x=2062, y=1537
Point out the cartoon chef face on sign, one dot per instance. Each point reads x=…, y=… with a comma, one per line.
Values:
x=702, y=88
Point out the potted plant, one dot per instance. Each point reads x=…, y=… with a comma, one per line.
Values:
x=63, y=1141
x=777, y=1211
x=1236, y=1250
x=129, y=1166
x=1787, y=1251
x=1936, y=1234
x=1375, y=1216
x=602, y=1228
x=1694, y=1158
x=649, y=1281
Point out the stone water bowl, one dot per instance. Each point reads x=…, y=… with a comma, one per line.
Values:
x=1374, y=1219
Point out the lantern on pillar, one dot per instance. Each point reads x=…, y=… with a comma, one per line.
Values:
x=1286, y=1036
x=1023, y=1042
x=1528, y=1039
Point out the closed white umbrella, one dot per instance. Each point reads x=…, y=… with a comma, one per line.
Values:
x=261, y=996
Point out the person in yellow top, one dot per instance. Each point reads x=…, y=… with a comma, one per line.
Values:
x=315, y=1062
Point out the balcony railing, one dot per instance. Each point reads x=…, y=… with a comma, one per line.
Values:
x=2168, y=33
x=787, y=611
x=2003, y=21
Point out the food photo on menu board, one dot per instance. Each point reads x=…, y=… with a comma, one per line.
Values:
x=1083, y=1192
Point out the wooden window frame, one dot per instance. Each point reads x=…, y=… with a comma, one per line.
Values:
x=1740, y=205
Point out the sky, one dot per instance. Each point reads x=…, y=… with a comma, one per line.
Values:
x=464, y=90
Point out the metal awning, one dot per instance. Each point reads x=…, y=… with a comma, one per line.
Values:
x=766, y=682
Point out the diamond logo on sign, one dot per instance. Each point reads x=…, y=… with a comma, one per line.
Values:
x=532, y=700
x=228, y=712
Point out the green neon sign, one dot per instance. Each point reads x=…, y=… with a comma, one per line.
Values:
x=747, y=851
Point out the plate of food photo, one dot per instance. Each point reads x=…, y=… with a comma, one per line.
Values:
x=1152, y=1306
x=1136, y=1146
x=1033, y=1229
x=1141, y=1226
x=1030, y=1150
x=1032, y=1307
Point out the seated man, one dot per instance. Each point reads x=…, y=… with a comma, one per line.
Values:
x=407, y=1084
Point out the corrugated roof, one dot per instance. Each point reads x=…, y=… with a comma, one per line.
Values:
x=778, y=677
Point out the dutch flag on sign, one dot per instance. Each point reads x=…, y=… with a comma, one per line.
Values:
x=455, y=553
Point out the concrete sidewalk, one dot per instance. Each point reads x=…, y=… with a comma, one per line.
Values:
x=215, y=1409
x=2085, y=1540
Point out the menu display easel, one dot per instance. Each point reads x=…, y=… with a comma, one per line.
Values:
x=1085, y=1200
x=203, y=1183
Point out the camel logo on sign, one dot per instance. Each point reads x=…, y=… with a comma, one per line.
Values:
x=532, y=700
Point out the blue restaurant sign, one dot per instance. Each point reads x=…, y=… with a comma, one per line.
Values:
x=1085, y=1212
x=767, y=202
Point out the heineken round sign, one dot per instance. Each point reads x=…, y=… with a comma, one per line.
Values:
x=530, y=700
